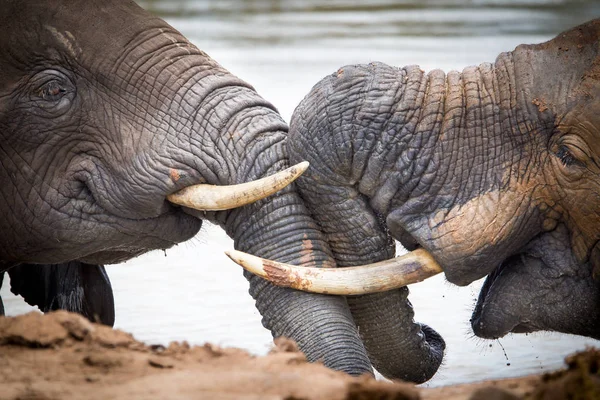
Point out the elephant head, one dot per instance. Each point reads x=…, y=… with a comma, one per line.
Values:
x=106, y=112
x=495, y=170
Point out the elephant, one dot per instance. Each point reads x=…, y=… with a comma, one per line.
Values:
x=493, y=172
x=73, y=286
x=109, y=119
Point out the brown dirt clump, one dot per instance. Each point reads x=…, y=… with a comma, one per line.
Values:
x=63, y=356
x=580, y=381
x=504, y=389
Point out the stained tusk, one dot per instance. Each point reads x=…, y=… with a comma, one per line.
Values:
x=413, y=267
x=216, y=198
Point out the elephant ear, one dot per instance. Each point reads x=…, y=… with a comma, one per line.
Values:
x=73, y=286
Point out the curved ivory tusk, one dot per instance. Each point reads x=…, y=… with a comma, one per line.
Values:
x=217, y=198
x=413, y=267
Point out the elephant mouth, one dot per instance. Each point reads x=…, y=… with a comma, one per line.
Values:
x=111, y=256
x=546, y=287
x=205, y=197
x=178, y=219
x=491, y=318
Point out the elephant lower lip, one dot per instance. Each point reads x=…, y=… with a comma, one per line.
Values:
x=109, y=257
x=490, y=320
x=483, y=325
x=195, y=213
x=523, y=328
x=159, y=233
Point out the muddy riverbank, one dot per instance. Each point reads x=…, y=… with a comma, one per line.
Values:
x=63, y=356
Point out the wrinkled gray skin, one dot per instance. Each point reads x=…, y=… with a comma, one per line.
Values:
x=496, y=168
x=104, y=111
x=540, y=289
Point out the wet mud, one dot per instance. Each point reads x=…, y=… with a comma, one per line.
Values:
x=63, y=356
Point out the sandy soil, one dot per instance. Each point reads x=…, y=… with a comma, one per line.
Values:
x=63, y=356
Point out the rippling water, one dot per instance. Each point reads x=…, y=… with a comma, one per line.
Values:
x=195, y=293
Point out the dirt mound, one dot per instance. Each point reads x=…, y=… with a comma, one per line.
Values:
x=581, y=380
x=63, y=356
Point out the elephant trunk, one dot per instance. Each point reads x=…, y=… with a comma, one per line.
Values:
x=235, y=136
x=281, y=228
x=398, y=347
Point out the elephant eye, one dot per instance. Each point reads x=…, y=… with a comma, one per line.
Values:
x=51, y=91
x=566, y=157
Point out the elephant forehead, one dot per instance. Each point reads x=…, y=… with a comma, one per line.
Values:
x=42, y=29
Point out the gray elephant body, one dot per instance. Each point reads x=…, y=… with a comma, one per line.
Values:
x=104, y=111
x=489, y=170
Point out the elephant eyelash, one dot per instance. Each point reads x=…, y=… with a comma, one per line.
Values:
x=566, y=157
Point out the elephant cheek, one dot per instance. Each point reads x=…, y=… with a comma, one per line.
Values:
x=471, y=239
